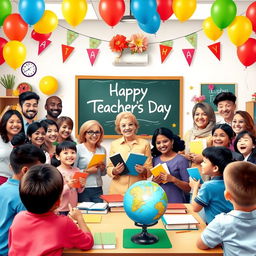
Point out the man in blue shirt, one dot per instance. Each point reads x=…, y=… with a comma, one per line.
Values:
x=21, y=159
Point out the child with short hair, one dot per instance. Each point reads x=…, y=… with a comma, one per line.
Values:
x=21, y=159
x=66, y=153
x=39, y=231
x=211, y=194
x=236, y=230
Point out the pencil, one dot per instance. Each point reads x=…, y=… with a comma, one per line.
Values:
x=183, y=231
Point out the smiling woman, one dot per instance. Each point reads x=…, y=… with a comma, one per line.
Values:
x=127, y=125
x=10, y=125
x=203, y=121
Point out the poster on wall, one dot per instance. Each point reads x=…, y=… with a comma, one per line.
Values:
x=211, y=90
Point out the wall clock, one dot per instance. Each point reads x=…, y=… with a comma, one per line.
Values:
x=28, y=68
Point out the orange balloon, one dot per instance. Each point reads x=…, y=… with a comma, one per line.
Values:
x=211, y=30
x=15, y=27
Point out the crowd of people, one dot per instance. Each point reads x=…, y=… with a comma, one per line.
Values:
x=38, y=160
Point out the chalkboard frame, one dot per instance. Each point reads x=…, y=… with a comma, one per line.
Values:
x=113, y=136
x=233, y=90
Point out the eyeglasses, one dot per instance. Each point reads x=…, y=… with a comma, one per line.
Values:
x=93, y=133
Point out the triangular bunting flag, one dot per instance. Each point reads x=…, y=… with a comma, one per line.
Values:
x=192, y=39
x=189, y=54
x=43, y=45
x=167, y=43
x=215, y=49
x=164, y=51
x=94, y=43
x=92, y=53
x=66, y=51
x=71, y=36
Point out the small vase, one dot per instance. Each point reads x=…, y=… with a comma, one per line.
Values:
x=8, y=92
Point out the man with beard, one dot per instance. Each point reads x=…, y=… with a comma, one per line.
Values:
x=29, y=107
x=53, y=106
x=226, y=105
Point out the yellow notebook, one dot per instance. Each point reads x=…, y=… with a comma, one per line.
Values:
x=96, y=159
x=160, y=168
x=92, y=218
x=196, y=146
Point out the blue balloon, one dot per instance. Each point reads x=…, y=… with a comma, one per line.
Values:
x=143, y=10
x=31, y=11
x=152, y=26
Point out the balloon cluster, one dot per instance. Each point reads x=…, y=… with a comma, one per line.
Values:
x=15, y=27
x=239, y=28
x=149, y=13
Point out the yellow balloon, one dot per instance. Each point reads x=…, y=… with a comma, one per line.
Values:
x=14, y=53
x=183, y=9
x=211, y=30
x=48, y=85
x=74, y=11
x=240, y=30
x=47, y=23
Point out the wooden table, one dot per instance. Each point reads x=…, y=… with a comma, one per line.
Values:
x=183, y=244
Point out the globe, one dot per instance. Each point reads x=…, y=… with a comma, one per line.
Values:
x=145, y=202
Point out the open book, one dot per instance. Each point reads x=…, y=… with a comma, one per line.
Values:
x=96, y=159
x=179, y=221
x=104, y=240
x=91, y=207
x=132, y=160
x=160, y=168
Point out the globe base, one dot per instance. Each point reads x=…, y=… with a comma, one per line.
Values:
x=144, y=237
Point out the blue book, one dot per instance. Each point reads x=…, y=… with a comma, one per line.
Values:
x=133, y=160
x=195, y=174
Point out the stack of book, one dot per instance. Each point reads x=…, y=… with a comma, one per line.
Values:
x=90, y=207
x=179, y=222
x=115, y=202
x=176, y=208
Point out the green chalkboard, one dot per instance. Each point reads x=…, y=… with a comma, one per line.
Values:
x=211, y=90
x=155, y=101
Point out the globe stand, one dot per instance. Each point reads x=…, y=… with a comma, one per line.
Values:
x=144, y=237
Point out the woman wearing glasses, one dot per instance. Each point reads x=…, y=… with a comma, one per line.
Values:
x=90, y=138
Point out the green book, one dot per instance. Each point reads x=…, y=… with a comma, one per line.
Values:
x=104, y=240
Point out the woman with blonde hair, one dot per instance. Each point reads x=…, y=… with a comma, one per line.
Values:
x=90, y=137
x=127, y=125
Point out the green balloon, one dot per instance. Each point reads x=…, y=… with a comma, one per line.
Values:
x=223, y=13
x=6, y=9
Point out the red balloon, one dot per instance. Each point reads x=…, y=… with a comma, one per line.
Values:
x=2, y=44
x=40, y=37
x=251, y=15
x=15, y=27
x=247, y=52
x=111, y=11
x=164, y=8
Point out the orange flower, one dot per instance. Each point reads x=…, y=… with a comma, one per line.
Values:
x=138, y=43
x=118, y=43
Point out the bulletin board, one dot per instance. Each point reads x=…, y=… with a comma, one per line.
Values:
x=211, y=90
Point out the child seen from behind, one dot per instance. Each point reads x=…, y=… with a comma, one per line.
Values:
x=39, y=231
x=236, y=230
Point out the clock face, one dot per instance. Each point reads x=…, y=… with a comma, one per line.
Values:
x=28, y=68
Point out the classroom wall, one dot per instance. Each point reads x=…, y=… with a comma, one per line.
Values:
x=205, y=68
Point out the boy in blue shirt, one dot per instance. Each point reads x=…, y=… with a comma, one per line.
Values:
x=211, y=194
x=21, y=159
x=236, y=230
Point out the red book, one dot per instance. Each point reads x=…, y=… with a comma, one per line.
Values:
x=176, y=208
x=113, y=200
x=78, y=175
